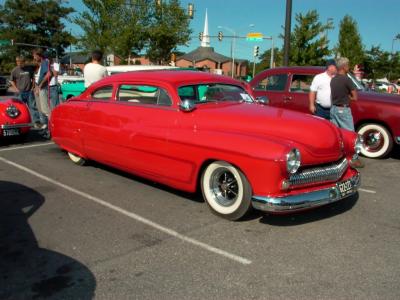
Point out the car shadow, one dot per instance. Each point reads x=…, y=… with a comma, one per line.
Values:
x=196, y=197
x=308, y=216
x=28, y=271
x=313, y=215
x=395, y=154
x=34, y=135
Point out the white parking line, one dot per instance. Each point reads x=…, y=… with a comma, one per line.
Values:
x=367, y=191
x=26, y=147
x=132, y=215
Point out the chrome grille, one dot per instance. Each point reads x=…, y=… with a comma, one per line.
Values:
x=319, y=174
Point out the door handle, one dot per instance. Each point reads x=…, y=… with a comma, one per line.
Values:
x=287, y=98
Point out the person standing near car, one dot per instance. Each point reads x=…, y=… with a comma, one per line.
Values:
x=320, y=91
x=53, y=84
x=42, y=86
x=94, y=70
x=343, y=92
x=22, y=82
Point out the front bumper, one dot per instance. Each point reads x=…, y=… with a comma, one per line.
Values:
x=303, y=201
x=14, y=126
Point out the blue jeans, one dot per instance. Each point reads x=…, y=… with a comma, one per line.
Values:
x=342, y=117
x=323, y=112
x=29, y=99
x=54, y=97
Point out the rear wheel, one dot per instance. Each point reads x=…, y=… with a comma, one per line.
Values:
x=76, y=159
x=226, y=190
x=378, y=141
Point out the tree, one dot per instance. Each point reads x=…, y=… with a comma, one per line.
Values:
x=309, y=43
x=350, y=44
x=265, y=60
x=129, y=27
x=169, y=29
x=115, y=26
x=379, y=64
x=33, y=22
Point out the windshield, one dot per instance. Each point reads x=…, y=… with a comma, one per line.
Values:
x=357, y=83
x=212, y=92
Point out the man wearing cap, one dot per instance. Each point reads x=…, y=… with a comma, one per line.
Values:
x=320, y=91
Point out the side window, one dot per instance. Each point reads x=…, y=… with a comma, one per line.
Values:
x=301, y=83
x=273, y=83
x=103, y=93
x=143, y=94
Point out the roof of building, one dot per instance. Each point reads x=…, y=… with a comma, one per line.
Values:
x=203, y=53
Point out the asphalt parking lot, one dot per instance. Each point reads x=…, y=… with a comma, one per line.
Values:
x=70, y=232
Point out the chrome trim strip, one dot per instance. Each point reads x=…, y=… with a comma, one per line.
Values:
x=317, y=174
x=12, y=126
x=305, y=200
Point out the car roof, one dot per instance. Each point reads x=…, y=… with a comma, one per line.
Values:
x=176, y=77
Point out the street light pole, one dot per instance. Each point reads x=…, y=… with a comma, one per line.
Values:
x=287, y=32
x=397, y=37
x=232, y=48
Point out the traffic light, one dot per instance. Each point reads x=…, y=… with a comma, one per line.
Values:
x=200, y=36
x=256, y=51
x=190, y=10
x=220, y=35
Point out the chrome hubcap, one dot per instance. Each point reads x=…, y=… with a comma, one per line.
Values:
x=224, y=187
x=373, y=140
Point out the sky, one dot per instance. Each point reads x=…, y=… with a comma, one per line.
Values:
x=378, y=21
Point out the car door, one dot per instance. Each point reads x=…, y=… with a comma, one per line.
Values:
x=297, y=96
x=146, y=115
x=273, y=86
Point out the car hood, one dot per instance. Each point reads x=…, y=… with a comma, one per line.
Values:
x=317, y=139
x=379, y=97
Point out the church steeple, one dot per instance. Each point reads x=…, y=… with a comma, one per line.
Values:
x=206, y=38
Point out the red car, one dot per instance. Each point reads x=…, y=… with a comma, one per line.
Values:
x=15, y=119
x=376, y=116
x=193, y=130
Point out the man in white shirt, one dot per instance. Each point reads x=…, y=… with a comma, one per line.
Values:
x=94, y=71
x=320, y=91
x=53, y=85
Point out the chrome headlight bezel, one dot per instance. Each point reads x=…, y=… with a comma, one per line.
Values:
x=293, y=161
x=358, y=144
x=12, y=111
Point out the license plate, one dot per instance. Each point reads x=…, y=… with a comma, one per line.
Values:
x=10, y=132
x=345, y=188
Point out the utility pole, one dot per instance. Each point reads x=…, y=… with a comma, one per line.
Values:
x=287, y=32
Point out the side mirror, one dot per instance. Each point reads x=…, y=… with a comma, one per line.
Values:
x=262, y=100
x=187, y=105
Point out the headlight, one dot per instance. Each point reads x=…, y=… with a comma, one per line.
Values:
x=12, y=111
x=358, y=144
x=293, y=161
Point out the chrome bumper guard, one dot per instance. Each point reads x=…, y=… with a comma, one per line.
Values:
x=304, y=201
x=12, y=126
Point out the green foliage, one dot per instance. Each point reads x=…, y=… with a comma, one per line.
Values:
x=350, y=44
x=37, y=22
x=379, y=64
x=265, y=60
x=128, y=27
x=309, y=43
x=169, y=28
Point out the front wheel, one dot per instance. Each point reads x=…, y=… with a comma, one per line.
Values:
x=76, y=159
x=226, y=190
x=378, y=141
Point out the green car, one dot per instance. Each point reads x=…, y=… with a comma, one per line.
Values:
x=72, y=88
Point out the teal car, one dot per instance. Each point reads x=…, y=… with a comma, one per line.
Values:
x=72, y=88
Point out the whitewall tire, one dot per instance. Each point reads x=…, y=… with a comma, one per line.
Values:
x=226, y=190
x=76, y=159
x=378, y=141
